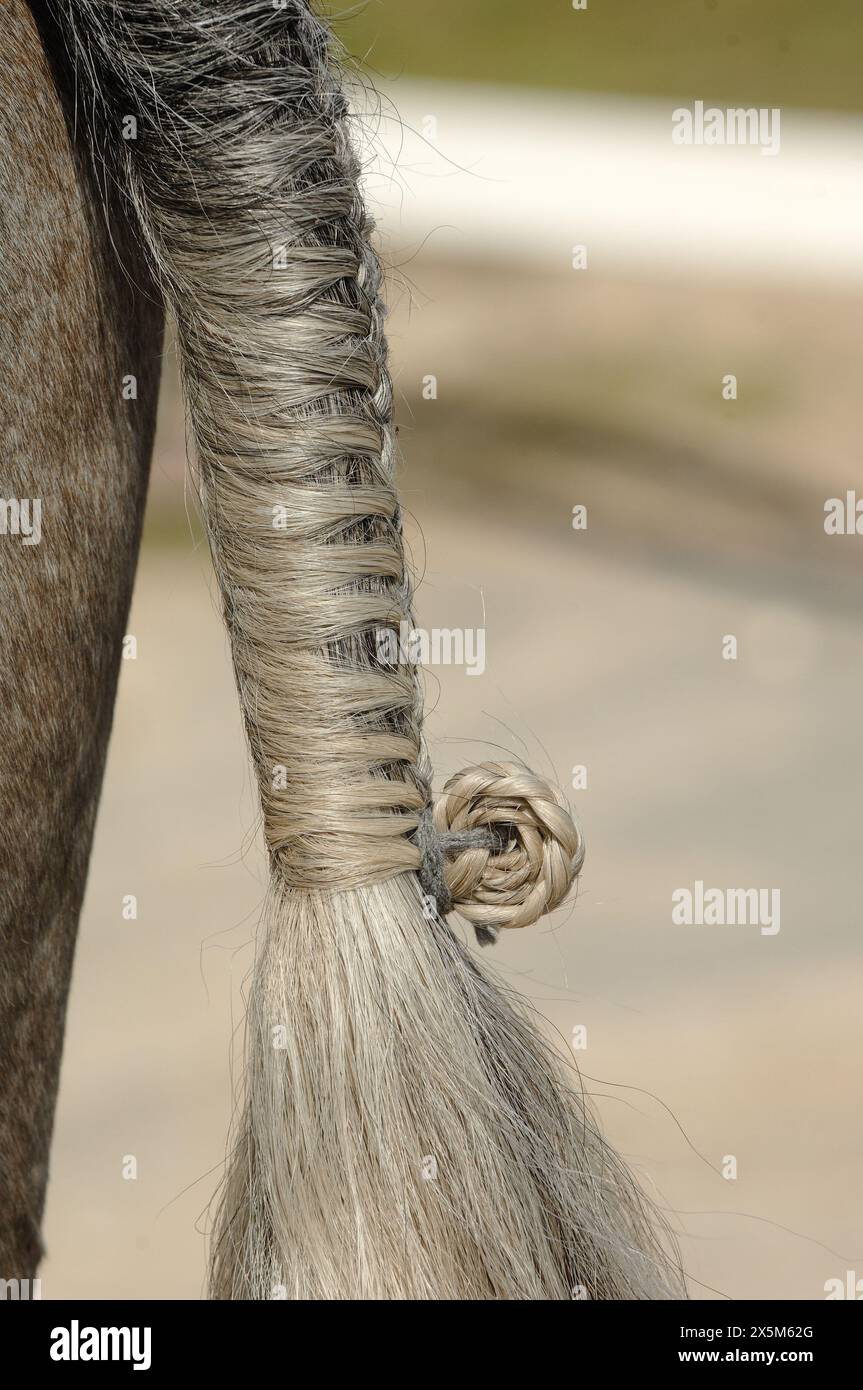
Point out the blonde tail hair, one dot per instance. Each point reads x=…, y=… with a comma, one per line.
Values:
x=405, y=1132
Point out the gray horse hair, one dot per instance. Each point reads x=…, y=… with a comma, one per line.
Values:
x=405, y=1132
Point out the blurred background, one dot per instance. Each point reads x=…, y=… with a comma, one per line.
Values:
x=570, y=293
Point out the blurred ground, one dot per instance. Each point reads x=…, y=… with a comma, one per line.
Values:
x=603, y=648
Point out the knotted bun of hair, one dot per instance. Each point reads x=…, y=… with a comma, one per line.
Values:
x=499, y=847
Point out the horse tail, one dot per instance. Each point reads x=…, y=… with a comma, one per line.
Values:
x=405, y=1131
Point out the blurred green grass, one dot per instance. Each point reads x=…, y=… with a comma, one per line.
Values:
x=750, y=52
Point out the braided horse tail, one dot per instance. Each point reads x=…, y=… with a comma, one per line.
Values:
x=405, y=1132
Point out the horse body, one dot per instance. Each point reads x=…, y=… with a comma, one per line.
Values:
x=78, y=314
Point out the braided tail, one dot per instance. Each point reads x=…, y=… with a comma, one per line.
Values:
x=405, y=1133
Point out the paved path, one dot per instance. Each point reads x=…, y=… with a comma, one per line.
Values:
x=521, y=175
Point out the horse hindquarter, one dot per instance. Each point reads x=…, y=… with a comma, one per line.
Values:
x=78, y=322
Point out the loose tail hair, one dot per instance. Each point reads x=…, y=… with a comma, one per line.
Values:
x=405, y=1131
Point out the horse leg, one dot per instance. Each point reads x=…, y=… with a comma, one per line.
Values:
x=80, y=340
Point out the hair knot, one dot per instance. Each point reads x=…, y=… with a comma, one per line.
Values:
x=500, y=847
